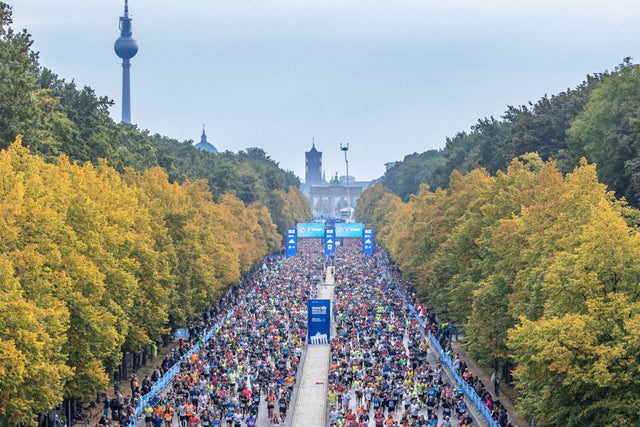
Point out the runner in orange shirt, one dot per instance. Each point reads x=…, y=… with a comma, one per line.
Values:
x=168, y=416
x=189, y=410
x=271, y=402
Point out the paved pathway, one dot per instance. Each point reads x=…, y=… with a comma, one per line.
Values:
x=310, y=405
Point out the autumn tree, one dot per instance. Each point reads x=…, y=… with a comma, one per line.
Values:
x=540, y=270
x=368, y=202
x=575, y=358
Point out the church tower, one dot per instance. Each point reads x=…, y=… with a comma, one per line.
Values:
x=126, y=48
x=313, y=166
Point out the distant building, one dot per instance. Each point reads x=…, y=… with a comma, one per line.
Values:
x=313, y=173
x=389, y=165
x=205, y=145
x=327, y=199
x=313, y=166
x=343, y=179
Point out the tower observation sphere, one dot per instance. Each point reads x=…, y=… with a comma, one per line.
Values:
x=126, y=48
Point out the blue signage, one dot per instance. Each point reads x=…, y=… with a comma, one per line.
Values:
x=292, y=242
x=367, y=241
x=349, y=229
x=329, y=241
x=311, y=229
x=319, y=321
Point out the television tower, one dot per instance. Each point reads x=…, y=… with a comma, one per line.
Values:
x=126, y=48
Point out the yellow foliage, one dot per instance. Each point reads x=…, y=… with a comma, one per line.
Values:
x=539, y=269
x=93, y=262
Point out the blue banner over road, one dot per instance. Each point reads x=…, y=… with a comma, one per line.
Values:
x=292, y=242
x=329, y=241
x=349, y=229
x=319, y=323
x=310, y=229
x=367, y=241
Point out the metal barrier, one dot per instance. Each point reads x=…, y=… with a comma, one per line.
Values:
x=471, y=394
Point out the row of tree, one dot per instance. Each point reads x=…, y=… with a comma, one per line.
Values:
x=93, y=262
x=597, y=120
x=540, y=269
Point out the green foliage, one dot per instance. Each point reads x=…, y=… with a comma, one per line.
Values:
x=289, y=208
x=252, y=176
x=405, y=177
x=367, y=203
x=607, y=132
x=17, y=80
x=491, y=143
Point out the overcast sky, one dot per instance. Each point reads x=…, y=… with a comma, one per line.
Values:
x=388, y=77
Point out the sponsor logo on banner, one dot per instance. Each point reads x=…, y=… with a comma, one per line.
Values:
x=292, y=242
x=310, y=229
x=367, y=241
x=329, y=241
x=349, y=229
x=319, y=321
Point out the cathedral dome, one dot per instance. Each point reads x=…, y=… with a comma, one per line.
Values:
x=205, y=145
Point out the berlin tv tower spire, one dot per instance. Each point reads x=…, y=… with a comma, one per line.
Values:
x=126, y=48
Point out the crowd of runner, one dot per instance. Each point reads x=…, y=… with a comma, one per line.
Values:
x=253, y=357
x=381, y=373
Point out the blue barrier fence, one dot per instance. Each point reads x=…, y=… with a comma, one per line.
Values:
x=469, y=392
x=160, y=385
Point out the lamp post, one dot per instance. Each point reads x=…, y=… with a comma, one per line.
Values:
x=345, y=148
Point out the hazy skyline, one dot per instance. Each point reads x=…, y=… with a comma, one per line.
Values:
x=389, y=78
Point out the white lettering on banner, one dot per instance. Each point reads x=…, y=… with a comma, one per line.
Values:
x=319, y=310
